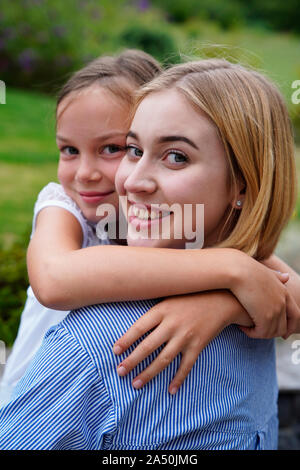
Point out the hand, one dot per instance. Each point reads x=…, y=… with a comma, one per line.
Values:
x=263, y=294
x=186, y=324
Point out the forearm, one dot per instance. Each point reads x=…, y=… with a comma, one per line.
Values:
x=74, y=278
x=229, y=308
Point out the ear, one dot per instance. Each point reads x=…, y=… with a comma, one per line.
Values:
x=239, y=196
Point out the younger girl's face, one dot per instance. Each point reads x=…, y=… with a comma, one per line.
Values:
x=91, y=136
x=174, y=155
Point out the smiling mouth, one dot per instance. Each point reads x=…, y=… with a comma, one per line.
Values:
x=94, y=193
x=94, y=196
x=145, y=213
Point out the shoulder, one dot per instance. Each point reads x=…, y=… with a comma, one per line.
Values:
x=59, y=360
x=54, y=194
x=97, y=327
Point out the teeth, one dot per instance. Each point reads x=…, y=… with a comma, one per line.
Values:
x=145, y=214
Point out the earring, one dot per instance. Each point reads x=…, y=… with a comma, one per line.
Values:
x=239, y=203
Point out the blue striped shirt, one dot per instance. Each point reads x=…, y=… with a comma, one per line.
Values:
x=72, y=398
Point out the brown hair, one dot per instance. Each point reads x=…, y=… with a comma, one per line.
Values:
x=255, y=128
x=120, y=74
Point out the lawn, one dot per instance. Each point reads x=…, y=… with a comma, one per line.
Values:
x=28, y=158
x=27, y=128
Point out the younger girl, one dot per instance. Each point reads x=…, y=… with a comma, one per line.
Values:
x=92, y=122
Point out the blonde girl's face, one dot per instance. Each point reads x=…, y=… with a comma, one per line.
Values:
x=174, y=156
x=91, y=137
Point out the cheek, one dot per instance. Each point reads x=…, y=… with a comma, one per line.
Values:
x=109, y=169
x=65, y=173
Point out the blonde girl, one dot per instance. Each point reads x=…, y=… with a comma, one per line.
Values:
x=66, y=271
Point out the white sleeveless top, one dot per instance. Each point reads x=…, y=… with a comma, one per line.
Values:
x=35, y=318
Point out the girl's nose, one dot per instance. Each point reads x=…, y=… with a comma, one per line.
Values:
x=140, y=180
x=88, y=171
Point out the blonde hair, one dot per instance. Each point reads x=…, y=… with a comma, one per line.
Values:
x=255, y=128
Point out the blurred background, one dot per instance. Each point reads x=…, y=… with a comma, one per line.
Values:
x=43, y=41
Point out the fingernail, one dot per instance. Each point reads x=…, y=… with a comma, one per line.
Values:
x=121, y=371
x=137, y=383
x=117, y=349
x=173, y=390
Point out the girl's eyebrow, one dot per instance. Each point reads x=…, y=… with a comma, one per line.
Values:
x=61, y=138
x=168, y=138
x=102, y=137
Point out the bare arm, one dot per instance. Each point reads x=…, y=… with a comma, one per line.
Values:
x=65, y=277
x=187, y=323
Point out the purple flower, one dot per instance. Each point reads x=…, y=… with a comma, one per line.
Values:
x=143, y=5
x=27, y=59
x=59, y=31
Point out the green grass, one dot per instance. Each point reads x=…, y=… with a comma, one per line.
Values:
x=27, y=131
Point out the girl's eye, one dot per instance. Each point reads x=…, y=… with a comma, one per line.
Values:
x=176, y=158
x=112, y=149
x=134, y=152
x=69, y=150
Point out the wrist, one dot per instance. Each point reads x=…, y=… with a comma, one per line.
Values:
x=232, y=264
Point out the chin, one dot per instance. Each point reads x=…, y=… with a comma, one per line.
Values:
x=149, y=243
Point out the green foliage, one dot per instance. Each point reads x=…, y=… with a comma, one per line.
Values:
x=226, y=14
x=43, y=41
x=274, y=14
x=13, y=285
x=156, y=42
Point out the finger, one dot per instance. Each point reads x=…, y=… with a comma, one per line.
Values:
x=186, y=364
x=258, y=332
x=163, y=360
x=253, y=332
x=283, y=277
x=138, y=329
x=143, y=350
